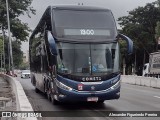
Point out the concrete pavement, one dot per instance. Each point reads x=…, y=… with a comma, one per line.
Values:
x=7, y=97
x=20, y=98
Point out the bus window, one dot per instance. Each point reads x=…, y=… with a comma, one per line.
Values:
x=84, y=24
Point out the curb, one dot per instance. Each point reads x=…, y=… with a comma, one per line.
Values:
x=22, y=102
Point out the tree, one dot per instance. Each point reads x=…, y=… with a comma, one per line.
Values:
x=16, y=8
x=157, y=29
x=1, y=44
x=157, y=35
x=140, y=25
x=1, y=51
x=20, y=31
x=24, y=66
x=17, y=53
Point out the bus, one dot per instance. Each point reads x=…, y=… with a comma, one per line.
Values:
x=75, y=55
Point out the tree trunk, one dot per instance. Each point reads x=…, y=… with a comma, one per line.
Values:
x=124, y=66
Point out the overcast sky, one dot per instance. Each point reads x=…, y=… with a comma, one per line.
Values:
x=118, y=7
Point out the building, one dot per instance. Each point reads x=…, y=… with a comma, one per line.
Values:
x=26, y=57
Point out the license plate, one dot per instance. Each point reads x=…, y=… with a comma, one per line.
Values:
x=95, y=99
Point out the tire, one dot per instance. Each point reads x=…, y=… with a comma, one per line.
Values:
x=45, y=91
x=54, y=101
x=48, y=96
x=100, y=101
x=36, y=90
x=33, y=80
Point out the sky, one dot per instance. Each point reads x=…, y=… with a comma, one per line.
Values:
x=119, y=8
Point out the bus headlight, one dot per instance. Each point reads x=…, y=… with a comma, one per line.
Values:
x=115, y=85
x=63, y=86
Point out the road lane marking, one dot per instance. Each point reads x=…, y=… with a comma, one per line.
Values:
x=156, y=96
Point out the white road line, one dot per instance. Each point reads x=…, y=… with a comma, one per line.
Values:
x=156, y=96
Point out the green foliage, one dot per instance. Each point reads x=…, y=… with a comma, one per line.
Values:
x=157, y=29
x=123, y=46
x=24, y=66
x=140, y=26
x=1, y=44
x=19, y=29
x=17, y=53
x=16, y=8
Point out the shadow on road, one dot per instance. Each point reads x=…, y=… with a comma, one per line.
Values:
x=81, y=105
x=85, y=106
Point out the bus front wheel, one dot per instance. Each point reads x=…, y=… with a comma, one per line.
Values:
x=100, y=101
x=54, y=101
x=36, y=90
x=48, y=95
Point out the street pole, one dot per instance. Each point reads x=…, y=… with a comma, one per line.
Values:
x=9, y=59
x=1, y=61
x=4, y=50
x=135, y=63
x=10, y=41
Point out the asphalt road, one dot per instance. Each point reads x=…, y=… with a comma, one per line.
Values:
x=133, y=98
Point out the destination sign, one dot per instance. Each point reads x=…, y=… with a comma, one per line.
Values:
x=87, y=32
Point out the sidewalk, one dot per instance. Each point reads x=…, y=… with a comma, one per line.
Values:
x=7, y=98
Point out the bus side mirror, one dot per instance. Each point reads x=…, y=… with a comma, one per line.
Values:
x=52, y=43
x=129, y=43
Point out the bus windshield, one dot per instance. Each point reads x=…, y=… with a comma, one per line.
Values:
x=84, y=24
x=88, y=59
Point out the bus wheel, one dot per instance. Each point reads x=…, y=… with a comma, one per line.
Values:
x=54, y=101
x=100, y=101
x=45, y=90
x=36, y=90
x=48, y=95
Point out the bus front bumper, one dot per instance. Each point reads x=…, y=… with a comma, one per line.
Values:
x=73, y=96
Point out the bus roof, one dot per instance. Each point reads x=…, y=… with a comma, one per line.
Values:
x=47, y=14
x=78, y=7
